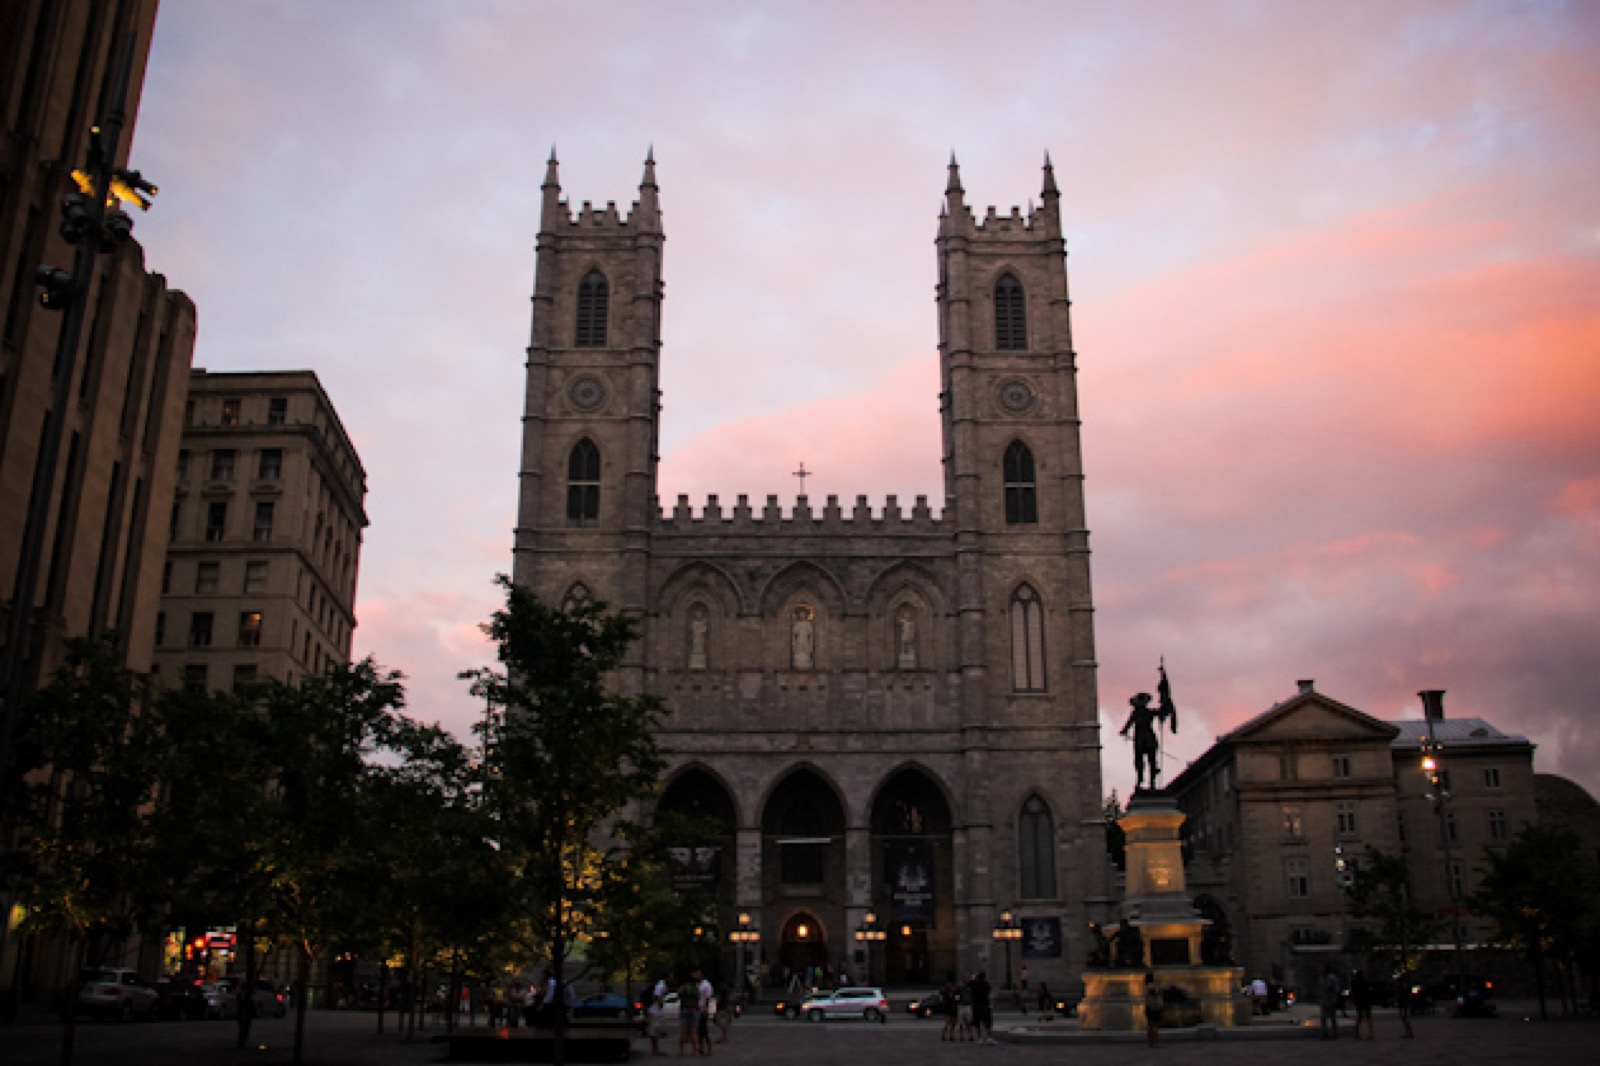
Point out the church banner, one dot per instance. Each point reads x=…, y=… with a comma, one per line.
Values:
x=1041, y=938
x=695, y=869
x=909, y=866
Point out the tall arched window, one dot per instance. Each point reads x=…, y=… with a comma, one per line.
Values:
x=1010, y=315
x=583, y=483
x=1036, y=849
x=593, y=299
x=1022, y=496
x=1027, y=641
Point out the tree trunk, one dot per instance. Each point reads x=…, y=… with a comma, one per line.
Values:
x=245, y=1004
x=302, y=998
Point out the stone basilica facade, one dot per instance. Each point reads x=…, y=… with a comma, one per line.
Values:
x=891, y=712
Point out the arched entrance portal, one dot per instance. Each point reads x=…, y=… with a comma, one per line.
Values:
x=803, y=873
x=912, y=882
x=804, y=950
x=698, y=813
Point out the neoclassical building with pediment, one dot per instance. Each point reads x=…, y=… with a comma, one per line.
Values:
x=890, y=710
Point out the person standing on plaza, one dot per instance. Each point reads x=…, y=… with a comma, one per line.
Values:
x=1361, y=996
x=982, y=1008
x=1328, y=1000
x=952, y=1011
x=1152, y=1010
x=689, y=1016
x=708, y=1010
x=655, y=1025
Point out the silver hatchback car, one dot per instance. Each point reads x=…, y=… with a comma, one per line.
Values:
x=866, y=1003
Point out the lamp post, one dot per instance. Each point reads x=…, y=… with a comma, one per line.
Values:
x=868, y=934
x=1006, y=930
x=1439, y=783
x=741, y=936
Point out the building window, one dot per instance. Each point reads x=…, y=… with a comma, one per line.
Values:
x=1297, y=872
x=230, y=412
x=1491, y=777
x=216, y=521
x=1022, y=494
x=222, y=464
x=183, y=464
x=277, y=410
x=249, y=629
x=1036, y=846
x=1497, y=825
x=1345, y=816
x=263, y=526
x=161, y=628
x=166, y=577
x=205, y=578
x=244, y=675
x=1458, y=880
x=593, y=296
x=1400, y=825
x=194, y=677
x=270, y=466
x=188, y=412
x=583, y=483
x=200, y=629
x=1450, y=826
x=1010, y=315
x=1341, y=766
x=1293, y=821
x=255, y=576
x=1027, y=641
x=1288, y=767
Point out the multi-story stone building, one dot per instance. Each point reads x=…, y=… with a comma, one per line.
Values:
x=891, y=711
x=1280, y=808
x=106, y=506
x=266, y=528
x=97, y=566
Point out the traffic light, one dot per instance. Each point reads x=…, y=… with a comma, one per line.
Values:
x=57, y=285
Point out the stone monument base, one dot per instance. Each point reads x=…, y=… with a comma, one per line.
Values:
x=1113, y=1000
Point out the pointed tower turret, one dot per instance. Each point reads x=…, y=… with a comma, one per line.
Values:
x=552, y=194
x=955, y=204
x=1050, y=197
x=649, y=213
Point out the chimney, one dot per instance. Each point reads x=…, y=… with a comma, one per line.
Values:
x=1306, y=685
x=1433, y=704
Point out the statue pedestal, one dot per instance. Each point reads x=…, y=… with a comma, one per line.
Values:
x=1156, y=904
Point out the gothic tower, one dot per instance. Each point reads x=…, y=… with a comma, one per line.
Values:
x=1014, y=484
x=588, y=476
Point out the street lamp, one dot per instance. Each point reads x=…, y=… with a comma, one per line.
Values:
x=1439, y=783
x=744, y=934
x=1006, y=930
x=867, y=934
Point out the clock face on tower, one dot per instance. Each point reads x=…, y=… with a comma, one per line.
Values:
x=587, y=394
x=1015, y=396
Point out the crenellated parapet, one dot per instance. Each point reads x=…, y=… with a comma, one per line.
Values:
x=801, y=517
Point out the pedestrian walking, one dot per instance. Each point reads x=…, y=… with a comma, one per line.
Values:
x=1152, y=1011
x=1361, y=996
x=1330, y=991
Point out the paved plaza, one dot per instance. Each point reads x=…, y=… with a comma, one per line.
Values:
x=349, y=1039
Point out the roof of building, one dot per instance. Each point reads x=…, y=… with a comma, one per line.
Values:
x=1454, y=732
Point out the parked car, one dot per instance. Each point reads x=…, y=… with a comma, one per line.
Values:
x=868, y=1003
x=605, y=1005
x=114, y=993
x=220, y=1000
x=269, y=1001
x=928, y=1006
x=179, y=999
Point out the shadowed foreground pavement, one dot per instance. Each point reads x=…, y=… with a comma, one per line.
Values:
x=349, y=1039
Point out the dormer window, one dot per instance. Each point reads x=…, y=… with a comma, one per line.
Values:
x=583, y=484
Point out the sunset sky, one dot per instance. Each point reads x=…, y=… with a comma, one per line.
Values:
x=1335, y=270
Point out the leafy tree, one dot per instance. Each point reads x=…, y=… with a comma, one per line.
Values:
x=82, y=854
x=568, y=754
x=1540, y=892
x=1395, y=929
